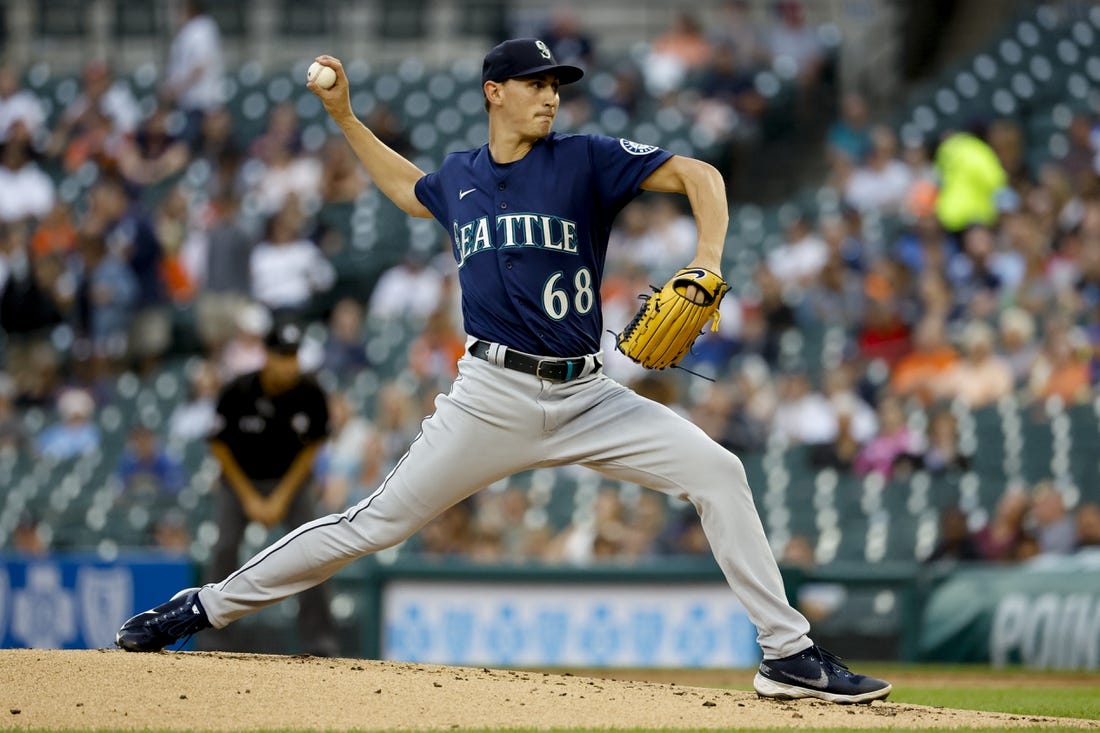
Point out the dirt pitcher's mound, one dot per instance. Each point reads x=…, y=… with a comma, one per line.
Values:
x=207, y=692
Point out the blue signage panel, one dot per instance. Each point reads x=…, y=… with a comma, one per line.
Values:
x=563, y=624
x=79, y=601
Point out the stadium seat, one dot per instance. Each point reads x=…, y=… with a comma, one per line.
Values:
x=561, y=496
x=852, y=540
x=1036, y=449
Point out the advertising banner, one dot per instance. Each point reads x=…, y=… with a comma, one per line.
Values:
x=1044, y=614
x=79, y=601
x=566, y=624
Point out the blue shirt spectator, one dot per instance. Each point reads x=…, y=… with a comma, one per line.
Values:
x=130, y=235
x=75, y=434
x=110, y=292
x=850, y=134
x=345, y=352
x=146, y=469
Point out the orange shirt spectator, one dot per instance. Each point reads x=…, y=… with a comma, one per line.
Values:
x=983, y=377
x=435, y=353
x=685, y=41
x=1069, y=381
x=682, y=50
x=921, y=372
x=1062, y=369
x=55, y=235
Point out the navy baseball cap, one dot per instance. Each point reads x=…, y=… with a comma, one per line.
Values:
x=525, y=57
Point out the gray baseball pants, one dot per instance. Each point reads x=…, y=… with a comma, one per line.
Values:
x=316, y=628
x=496, y=422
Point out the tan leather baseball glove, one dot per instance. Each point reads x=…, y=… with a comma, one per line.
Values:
x=669, y=321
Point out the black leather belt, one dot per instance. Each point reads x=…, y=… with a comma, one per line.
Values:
x=554, y=370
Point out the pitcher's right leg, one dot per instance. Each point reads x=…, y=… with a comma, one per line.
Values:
x=461, y=448
x=487, y=428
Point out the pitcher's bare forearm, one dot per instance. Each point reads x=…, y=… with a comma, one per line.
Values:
x=706, y=191
x=394, y=175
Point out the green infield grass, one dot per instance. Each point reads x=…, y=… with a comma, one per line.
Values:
x=1017, y=691
x=1071, y=702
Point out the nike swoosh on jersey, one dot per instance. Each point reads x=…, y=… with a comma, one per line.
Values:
x=820, y=682
x=464, y=194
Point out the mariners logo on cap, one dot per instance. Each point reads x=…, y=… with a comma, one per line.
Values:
x=636, y=148
x=544, y=50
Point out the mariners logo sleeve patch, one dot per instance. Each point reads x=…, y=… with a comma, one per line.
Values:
x=636, y=148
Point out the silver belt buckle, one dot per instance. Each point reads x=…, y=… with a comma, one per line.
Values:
x=538, y=370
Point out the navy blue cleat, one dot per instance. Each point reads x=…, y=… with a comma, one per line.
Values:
x=152, y=630
x=814, y=672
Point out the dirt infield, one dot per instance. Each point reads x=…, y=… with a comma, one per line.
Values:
x=80, y=690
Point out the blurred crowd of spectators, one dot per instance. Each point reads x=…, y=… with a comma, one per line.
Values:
x=175, y=208
x=1027, y=522
x=985, y=284
x=736, y=80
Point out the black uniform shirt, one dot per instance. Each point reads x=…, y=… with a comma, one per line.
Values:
x=265, y=434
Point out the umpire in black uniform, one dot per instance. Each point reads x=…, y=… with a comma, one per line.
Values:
x=269, y=427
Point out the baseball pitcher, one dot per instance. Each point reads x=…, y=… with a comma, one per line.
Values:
x=529, y=214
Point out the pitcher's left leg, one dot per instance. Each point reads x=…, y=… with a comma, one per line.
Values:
x=628, y=437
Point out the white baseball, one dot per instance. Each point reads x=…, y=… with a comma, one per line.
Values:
x=323, y=75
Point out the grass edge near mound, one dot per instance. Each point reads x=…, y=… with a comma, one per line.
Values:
x=1026, y=729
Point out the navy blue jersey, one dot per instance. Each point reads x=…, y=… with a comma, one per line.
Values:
x=530, y=237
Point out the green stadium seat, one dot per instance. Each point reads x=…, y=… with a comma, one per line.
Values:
x=1092, y=68
x=1037, y=448
x=136, y=19
x=61, y=19
x=853, y=540
x=967, y=86
x=562, y=504
x=1010, y=52
x=310, y=109
x=298, y=20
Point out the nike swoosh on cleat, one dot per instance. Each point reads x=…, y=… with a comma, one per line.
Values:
x=821, y=682
x=464, y=194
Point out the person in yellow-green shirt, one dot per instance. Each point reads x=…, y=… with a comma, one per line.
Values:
x=971, y=178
